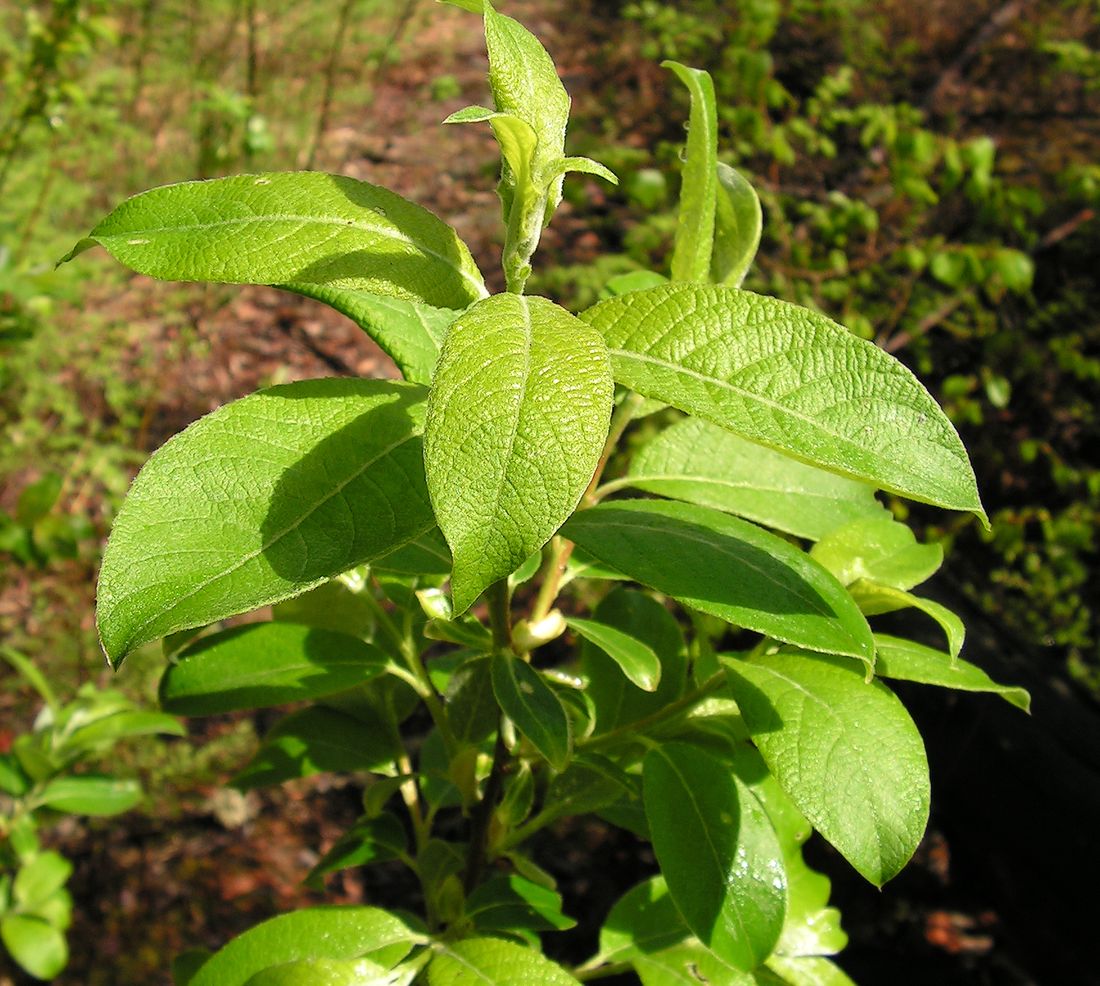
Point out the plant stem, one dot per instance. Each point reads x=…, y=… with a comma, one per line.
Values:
x=562, y=549
x=602, y=971
x=670, y=711
x=481, y=816
x=500, y=617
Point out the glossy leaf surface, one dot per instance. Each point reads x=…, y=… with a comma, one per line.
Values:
x=218, y=520
x=907, y=660
x=784, y=376
x=643, y=920
x=312, y=933
x=265, y=664
x=531, y=704
x=845, y=750
x=638, y=661
x=699, y=462
x=517, y=419
x=727, y=567
x=717, y=851
x=296, y=229
x=493, y=962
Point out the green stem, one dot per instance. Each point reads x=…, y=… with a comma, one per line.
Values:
x=500, y=617
x=683, y=704
x=562, y=549
x=481, y=816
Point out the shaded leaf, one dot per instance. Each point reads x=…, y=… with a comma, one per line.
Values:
x=531, y=704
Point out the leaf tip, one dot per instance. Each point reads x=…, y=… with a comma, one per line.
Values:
x=81, y=246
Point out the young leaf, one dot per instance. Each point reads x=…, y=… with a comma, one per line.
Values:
x=525, y=84
x=615, y=699
x=717, y=852
x=643, y=920
x=691, y=255
x=493, y=962
x=516, y=423
x=265, y=664
x=845, y=750
x=880, y=550
x=216, y=522
x=88, y=795
x=727, y=567
x=313, y=741
x=738, y=222
x=789, y=378
x=311, y=933
x=409, y=332
x=909, y=661
x=35, y=944
x=699, y=462
x=811, y=927
x=302, y=230
x=532, y=705
x=874, y=599
x=639, y=662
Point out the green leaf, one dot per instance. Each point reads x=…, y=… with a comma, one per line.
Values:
x=312, y=933
x=39, y=878
x=88, y=795
x=370, y=840
x=909, y=661
x=691, y=255
x=266, y=664
x=643, y=920
x=702, y=463
x=525, y=84
x=727, y=567
x=517, y=420
x=517, y=140
x=845, y=750
x=334, y=972
x=186, y=965
x=874, y=599
x=635, y=280
x=791, y=379
x=217, y=522
x=472, y=710
x=409, y=332
x=302, y=230
x=313, y=741
x=616, y=700
x=585, y=166
x=689, y=964
x=879, y=550
x=738, y=223
x=35, y=945
x=334, y=606
x=12, y=779
x=425, y=555
x=532, y=705
x=591, y=782
x=808, y=971
x=513, y=904
x=493, y=962
x=717, y=851
x=639, y=662
x=811, y=927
